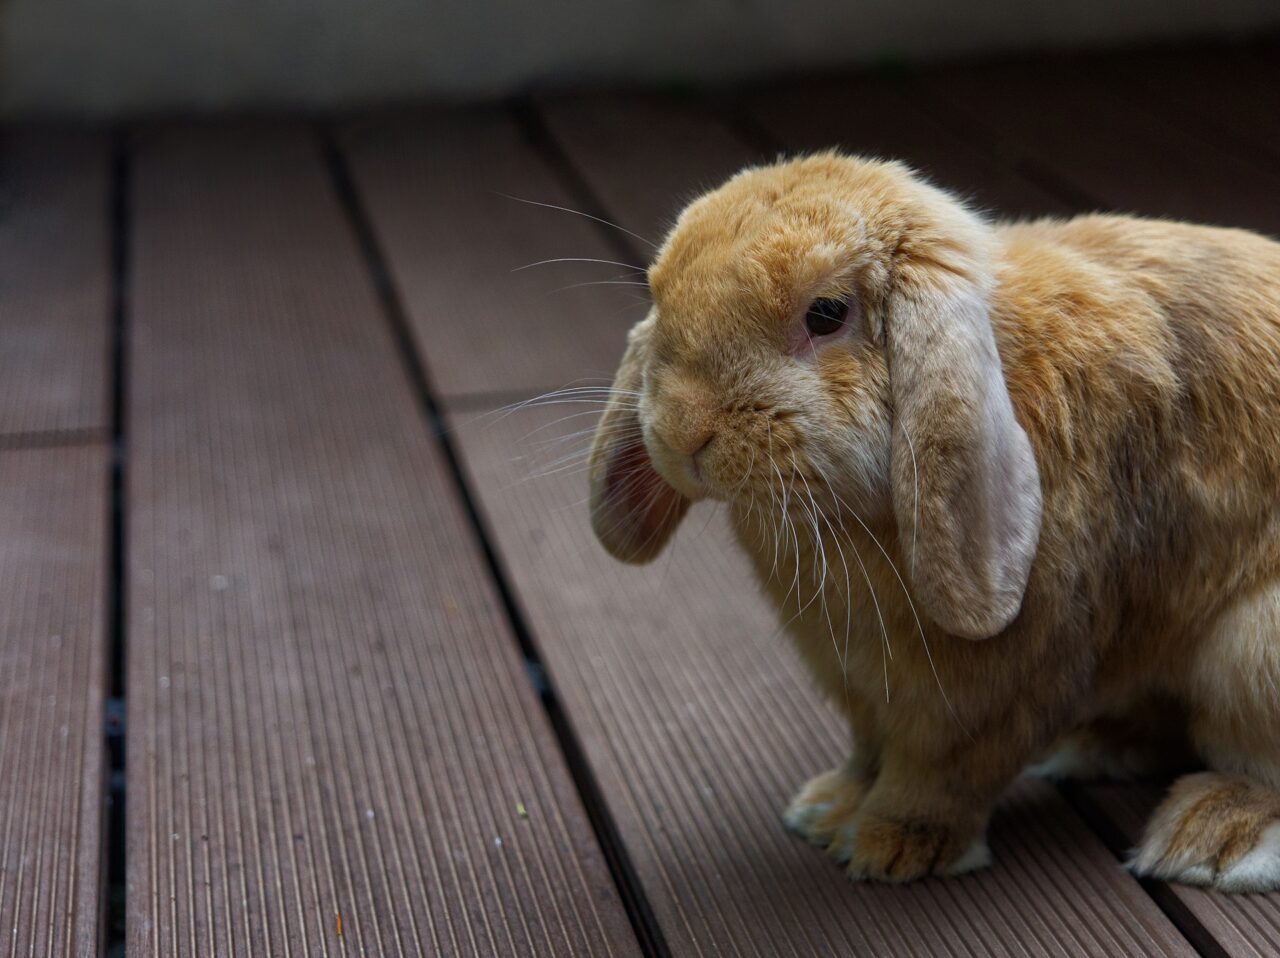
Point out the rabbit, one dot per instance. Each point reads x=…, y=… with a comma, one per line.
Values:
x=1012, y=488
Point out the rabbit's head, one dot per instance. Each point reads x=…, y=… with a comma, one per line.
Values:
x=820, y=342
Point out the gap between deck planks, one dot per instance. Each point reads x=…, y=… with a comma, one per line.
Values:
x=610, y=684
x=331, y=732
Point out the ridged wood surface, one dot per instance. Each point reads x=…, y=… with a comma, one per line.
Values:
x=334, y=749
x=53, y=660
x=700, y=724
x=55, y=284
x=442, y=190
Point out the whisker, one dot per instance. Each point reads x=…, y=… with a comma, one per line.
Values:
x=561, y=421
x=886, y=652
x=601, y=282
x=886, y=648
x=579, y=453
x=579, y=394
x=848, y=614
x=566, y=209
x=822, y=554
x=578, y=259
x=915, y=615
x=568, y=469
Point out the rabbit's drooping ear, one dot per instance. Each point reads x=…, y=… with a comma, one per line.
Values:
x=972, y=534
x=633, y=509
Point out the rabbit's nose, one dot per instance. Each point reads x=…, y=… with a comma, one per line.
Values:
x=686, y=422
x=685, y=428
x=685, y=438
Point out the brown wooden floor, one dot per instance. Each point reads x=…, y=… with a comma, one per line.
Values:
x=263, y=497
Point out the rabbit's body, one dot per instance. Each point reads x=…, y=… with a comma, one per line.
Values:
x=1141, y=361
x=1160, y=513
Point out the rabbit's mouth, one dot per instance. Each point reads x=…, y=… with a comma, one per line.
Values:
x=687, y=474
x=695, y=468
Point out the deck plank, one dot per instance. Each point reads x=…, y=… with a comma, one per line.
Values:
x=55, y=283
x=878, y=116
x=331, y=730
x=439, y=189
x=699, y=723
x=1067, y=117
x=52, y=665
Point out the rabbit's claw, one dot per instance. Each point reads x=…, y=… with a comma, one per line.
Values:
x=885, y=849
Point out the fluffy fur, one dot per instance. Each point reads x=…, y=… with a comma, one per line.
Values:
x=1026, y=494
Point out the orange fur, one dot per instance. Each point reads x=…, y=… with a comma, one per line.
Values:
x=1142, y=360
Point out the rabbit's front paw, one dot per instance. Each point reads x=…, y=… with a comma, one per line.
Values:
x=824, y=810
x=885, y=849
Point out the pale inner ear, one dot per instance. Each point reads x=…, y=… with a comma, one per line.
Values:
x=977, y=520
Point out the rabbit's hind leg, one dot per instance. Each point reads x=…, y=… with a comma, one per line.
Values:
x=1216, y=830
x=1221, y=828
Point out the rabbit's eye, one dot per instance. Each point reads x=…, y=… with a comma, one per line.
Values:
x=826, y=316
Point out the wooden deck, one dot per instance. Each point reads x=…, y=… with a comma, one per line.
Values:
x=305, y=645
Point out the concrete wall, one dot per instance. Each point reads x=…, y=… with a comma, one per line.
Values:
x=114, y=56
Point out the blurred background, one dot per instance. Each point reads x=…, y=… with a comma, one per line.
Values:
x=107, y=57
